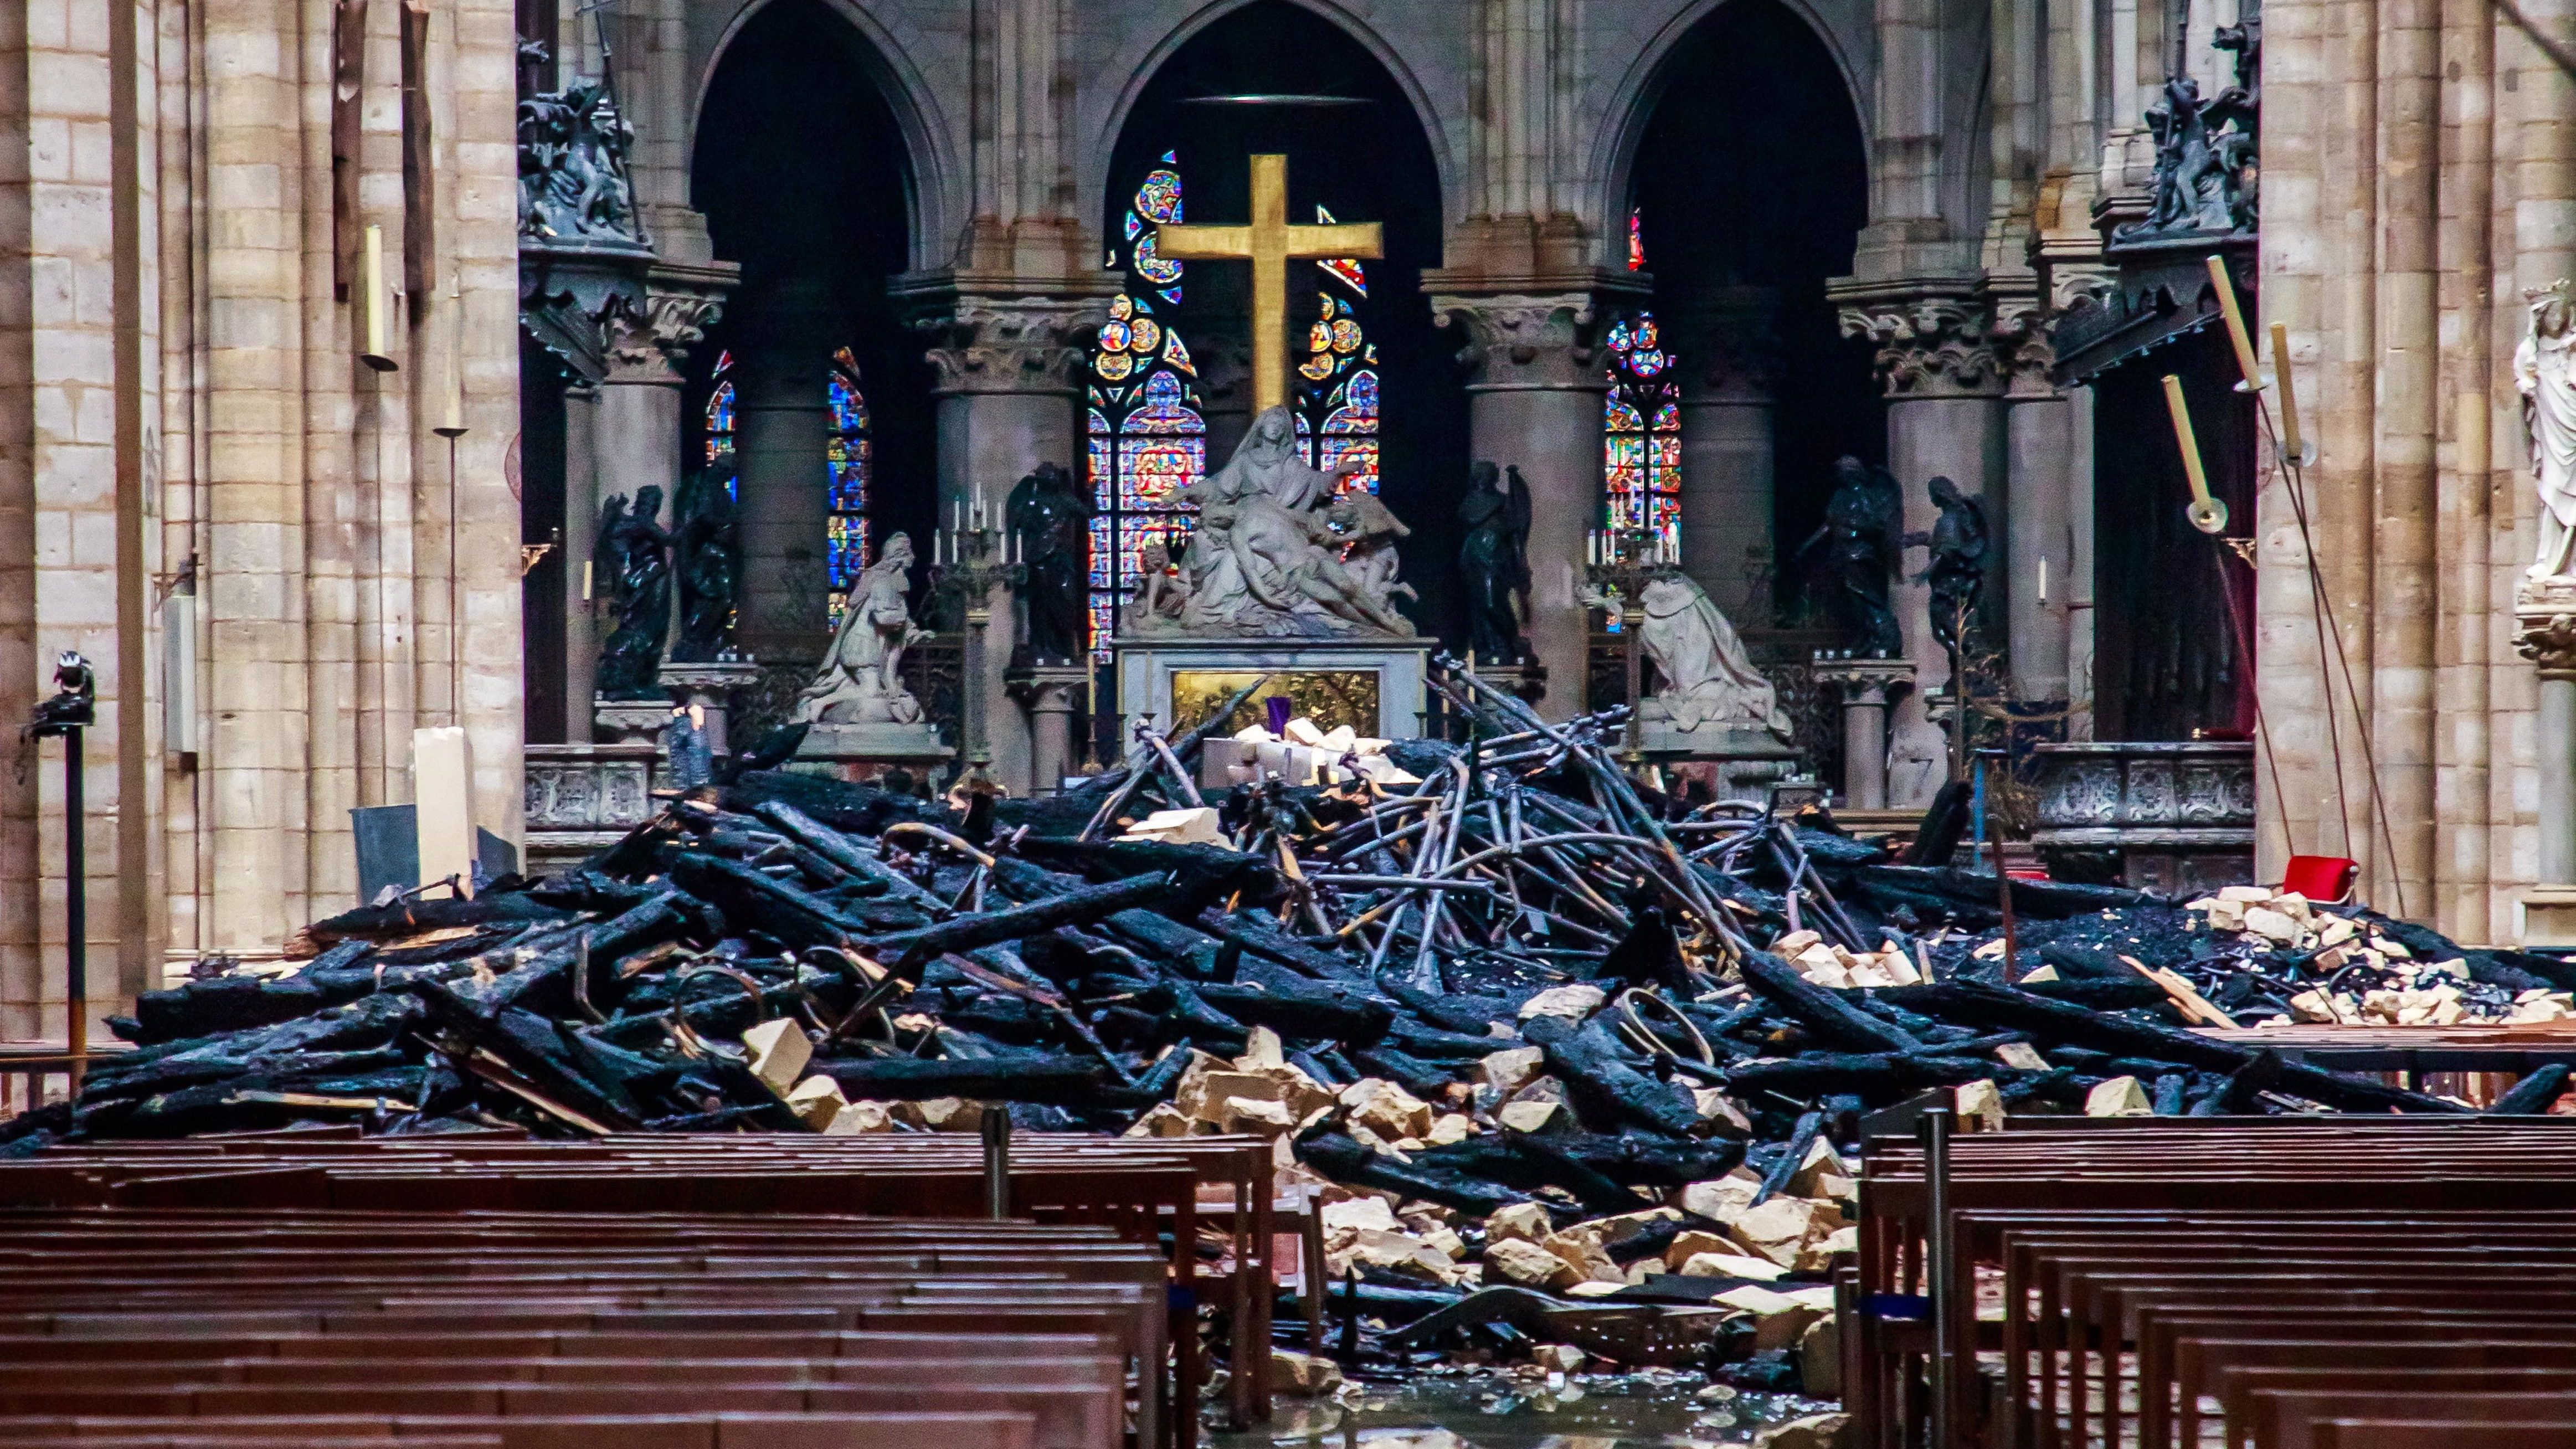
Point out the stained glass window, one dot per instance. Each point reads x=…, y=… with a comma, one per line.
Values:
x=1337, y=414
x=1641, y=433
x=845, y=461
x=720, y=409
x=1146, y=438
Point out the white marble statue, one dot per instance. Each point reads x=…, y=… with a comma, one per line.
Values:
x=861, y=681
x=1267, y=560
x=2544, y=368
x=1707, y=677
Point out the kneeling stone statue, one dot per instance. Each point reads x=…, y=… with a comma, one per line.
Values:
x=1708, y=680
x=861, y=681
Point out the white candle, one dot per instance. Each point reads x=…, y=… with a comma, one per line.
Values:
x=2043, y=578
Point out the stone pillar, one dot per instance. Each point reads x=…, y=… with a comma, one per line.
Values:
x=1534, y=400
x=1729, y=363
x=1867, y=686
x=1010, y=371
x=1052, y=694
x=2545, y=612
x=783, y=422
x=581, y=538
x=1945, y=418
x=2041, y=474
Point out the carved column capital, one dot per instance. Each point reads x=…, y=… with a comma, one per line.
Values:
x=2025, y=343
x=2544, y=614
x=644, y=340
x=1727, y=343
x=1933, y=336
x=997, y=339
x=1517, y=340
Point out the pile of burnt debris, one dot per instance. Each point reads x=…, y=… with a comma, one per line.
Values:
x=1526, y=1020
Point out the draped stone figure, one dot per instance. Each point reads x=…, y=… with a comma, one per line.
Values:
x=861, y=681
x=1267, y=560
x=2544, y=370
x=634, y=551
x=1051, y=519
x=1493, y=562
x=1707, y=676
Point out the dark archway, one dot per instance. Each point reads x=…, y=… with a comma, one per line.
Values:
x=1753, y=173
x=804, y=178
x=1363, y=159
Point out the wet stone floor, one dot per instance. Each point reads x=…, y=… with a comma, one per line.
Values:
x=1501, y=1408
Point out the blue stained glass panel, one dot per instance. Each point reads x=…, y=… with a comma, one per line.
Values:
x=1101, y=577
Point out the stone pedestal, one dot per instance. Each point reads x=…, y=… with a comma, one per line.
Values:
x=2545, y=616
x=710, y=685
x=1152, y=671
x=1739, y=762
x=1050, y=695
x=862, y=752
x=2176, y=818
x=1866, y=687
x=628, y=721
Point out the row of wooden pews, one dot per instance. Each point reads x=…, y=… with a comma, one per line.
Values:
x=2261, y=1283
x=310, y=1288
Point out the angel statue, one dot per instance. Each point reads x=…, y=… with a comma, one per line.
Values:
x=1493, y=560
x=2544, y=371
x=634, y=552
x=861, y=681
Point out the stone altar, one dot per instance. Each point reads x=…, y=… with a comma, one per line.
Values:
x=1286, y=573
x=1148, y=669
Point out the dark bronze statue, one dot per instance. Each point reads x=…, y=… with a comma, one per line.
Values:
x=1493, y=562
x=1859, y=543
x=709, y=561
x=2205, y=178
x=1957, y=572
x=1051, y=519
x=634, y=554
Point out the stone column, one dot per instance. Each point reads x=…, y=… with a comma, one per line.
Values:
x=1010, y=371
x=1729, y=362
x=581, y=537
x=2042, y=469
x=1052, y=694
x=2545, y=612
x=783, y=421
x=1944, y=419
x=1534, y=400
x=1867, y=686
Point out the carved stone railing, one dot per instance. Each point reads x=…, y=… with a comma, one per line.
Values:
x=582, y=798
x=2176, y=817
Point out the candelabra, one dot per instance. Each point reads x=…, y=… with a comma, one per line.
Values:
x=969, y=560
x=1618, y=563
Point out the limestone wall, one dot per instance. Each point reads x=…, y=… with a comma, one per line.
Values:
x=306, y=487
x=2417, y=178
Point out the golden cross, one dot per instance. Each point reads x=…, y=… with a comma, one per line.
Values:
x=1269, y=243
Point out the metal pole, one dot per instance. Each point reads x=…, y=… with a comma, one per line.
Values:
x=75, y=904
x=1933, y=1131
x=997, y=1163
x=1632, y=622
